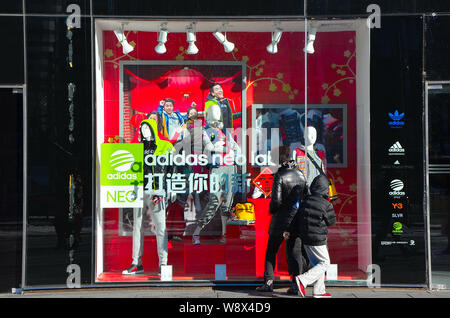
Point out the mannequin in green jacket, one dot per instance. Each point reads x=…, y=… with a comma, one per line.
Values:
x=155, y=199
x=215, y=97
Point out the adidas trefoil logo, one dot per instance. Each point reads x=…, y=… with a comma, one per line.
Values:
x=396, y=119
x=396, y=115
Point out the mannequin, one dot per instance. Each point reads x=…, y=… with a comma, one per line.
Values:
x=216, y=140
x=303, y=162
x=154, y=200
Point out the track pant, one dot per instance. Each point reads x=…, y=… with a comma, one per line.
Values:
x=214, y=200
x=159, y=219
x=296, y=260
x=320, y=259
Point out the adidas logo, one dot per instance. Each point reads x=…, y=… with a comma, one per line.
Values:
x=397, y=186
x=396, y=115
x=122, y=160
x=396, y=150
x=396, y=118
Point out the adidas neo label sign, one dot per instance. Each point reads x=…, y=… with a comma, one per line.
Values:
x=121, y=175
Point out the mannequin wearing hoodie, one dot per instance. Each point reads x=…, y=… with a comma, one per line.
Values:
x=217, y=140
x=311, y=224
x=154, y=199
x=303, y=162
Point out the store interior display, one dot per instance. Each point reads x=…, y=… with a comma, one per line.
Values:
x=261, y=75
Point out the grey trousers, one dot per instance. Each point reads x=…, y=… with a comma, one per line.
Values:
x=320, y=259
x=159, y=219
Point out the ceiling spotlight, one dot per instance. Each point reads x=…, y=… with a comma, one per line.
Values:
x=276, y=37
x=162, y=39
x=228, y=46
x=311, y=38
x=126, y=47
x=191, y=38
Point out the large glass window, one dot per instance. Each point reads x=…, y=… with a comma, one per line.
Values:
x=251, y=87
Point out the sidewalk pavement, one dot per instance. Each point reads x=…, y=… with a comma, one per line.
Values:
x=225, y=292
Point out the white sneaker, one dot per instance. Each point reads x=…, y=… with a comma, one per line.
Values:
x=325, y=295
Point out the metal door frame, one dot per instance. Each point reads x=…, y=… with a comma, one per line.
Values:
x=429, y=85
x=23, y=90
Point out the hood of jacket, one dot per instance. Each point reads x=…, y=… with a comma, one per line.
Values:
x=162, y=146
x=320, y=185
x=210, y=97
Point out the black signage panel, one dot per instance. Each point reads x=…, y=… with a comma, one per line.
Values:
x=397, y=151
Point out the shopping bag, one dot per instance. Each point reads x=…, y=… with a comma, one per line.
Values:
x=245, y=211
x=332, y=193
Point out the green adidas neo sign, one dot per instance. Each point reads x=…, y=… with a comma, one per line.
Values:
x=122, y=175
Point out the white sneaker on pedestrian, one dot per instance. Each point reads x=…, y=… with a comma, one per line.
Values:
x=301, y=288
x=325, y=295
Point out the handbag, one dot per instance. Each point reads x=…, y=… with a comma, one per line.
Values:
x=332, y=193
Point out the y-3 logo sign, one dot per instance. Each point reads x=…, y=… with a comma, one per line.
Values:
x=397, y=206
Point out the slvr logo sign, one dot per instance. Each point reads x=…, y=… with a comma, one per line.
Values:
x=121, y=175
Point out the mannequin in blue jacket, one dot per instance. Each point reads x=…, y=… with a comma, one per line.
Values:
x=172, y=120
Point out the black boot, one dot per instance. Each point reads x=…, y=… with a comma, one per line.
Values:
x=267, y=287
x=293, y=290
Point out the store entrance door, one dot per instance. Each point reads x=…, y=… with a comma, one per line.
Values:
x=438, y=182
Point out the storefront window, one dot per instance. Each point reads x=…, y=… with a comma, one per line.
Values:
x=249, y=77
x=338, y=108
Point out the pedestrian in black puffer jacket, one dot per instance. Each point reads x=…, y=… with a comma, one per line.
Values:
x=315, y=214
x=311, y=224
x=288, y=189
